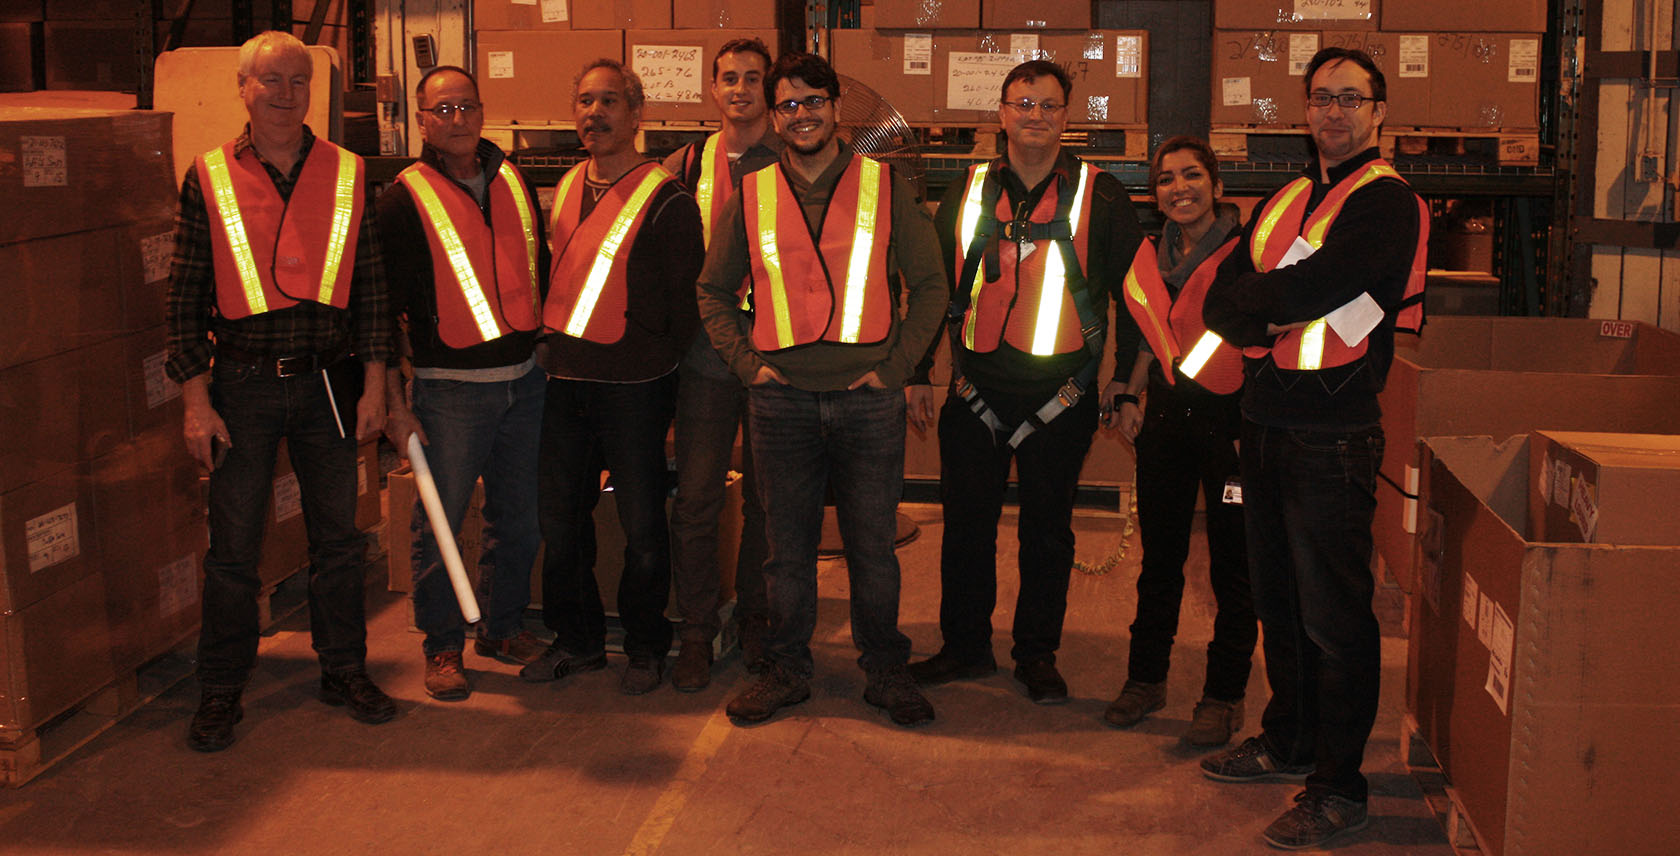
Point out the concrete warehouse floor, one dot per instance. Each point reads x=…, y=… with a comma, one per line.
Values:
x=578, y=768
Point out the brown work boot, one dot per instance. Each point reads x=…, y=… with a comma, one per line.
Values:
x=1137, y=700
x=775, y=689
x=446, y=677
x=1214, y=721
x=518, y=650
x=692, y=670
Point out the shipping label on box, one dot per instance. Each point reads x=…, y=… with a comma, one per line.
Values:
x=52, y=538
x=44, y=163
x=288, y=499
x=974, y=81
x=670, y=73
x=177, y=586
x=918, y=53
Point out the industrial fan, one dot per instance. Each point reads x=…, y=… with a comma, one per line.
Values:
x=872, y=126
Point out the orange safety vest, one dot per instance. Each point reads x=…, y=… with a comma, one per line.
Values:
x=1168, y=324
x=268, y=256
x=794, y=291
x=712, y=189
x=1314, y=346
x=588, y=296
x=1039, y=284
x=468, y=253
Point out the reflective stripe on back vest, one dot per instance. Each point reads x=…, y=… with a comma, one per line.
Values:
x=591, y=253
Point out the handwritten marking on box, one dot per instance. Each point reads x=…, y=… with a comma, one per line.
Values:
x=670, y=74
x=52, y=538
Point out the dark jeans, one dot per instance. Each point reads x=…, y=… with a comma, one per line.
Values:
x=853, y=442
x=475, y=430
x=1310, y=499
x=708, y=412
x=1186, y=447
x=258, y=412
x=587, y=424
x=973, y=471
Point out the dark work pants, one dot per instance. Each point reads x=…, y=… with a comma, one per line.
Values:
x=1310, y=498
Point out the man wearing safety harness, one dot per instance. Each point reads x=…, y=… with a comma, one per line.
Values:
x=1329, y=268
x=278, y=328
x=466, y=260
x=619, y=315
x=825, y=235
x=711, y=402
x=1034, y=243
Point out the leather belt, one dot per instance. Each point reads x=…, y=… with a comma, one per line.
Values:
x=279, y=367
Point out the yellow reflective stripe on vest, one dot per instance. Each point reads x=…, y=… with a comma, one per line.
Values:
x=772, y=257
x=1199, y=355
x=227, y=204
x=703, y=190
x=344, y=204
x=971, y=213
x=465, y=278
x=598, y=272
x=1134, y=290
x=1312, y=346
x=561, y=194
x=1054, y=288
x=1274, y=213
x=863, y=244
x=1315, y=233
x=526, y=221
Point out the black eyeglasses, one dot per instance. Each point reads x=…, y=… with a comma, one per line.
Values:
x=1345, y=100
x=448, y=111
x=1027, y=105
x=791, y=106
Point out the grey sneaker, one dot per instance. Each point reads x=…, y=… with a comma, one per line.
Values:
x=1315, y=820
x=894, y=691
x=1137, y=700
x=1213, y=722
x=775, y=689
x=1251, y=761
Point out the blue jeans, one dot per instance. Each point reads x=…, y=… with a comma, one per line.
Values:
x=1309, y=498
x=708, y=412
x=853, y=442
x=258, y=412
x=475, y=430
x=587, y=425
x=973, y=473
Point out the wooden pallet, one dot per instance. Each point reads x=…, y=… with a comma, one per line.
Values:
x=1517, y=148
x=1438, y=793
x=1109, y=142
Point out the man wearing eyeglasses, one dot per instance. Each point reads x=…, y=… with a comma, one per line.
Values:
x=466, y=266
x=1329, y=268
x=825, y=235
x=1034, y=243
x=619, y=315
x=711, y=402
x=278, y=328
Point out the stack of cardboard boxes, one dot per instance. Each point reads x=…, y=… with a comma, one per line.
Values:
x=943, y=63
x=528, y=54
x=1469, y=67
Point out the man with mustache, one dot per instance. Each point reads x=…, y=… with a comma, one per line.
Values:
x=825, y=235
x=1329, y=268
x=619, y=316
x=467, y=262
x=711, y=402
x=279, y=326
x=1034, y=243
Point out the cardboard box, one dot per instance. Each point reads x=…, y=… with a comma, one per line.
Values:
x=1259, y=77
x=1485, y=81
x=1527, y=16
x=92, y=54
x=1598, y=488
x=621, y=14
x=1296, y=14
x=726, y=15
x=530, y=76
x=54, y=654
x=896, y=66
x=1531, y=672
x=1404, y=61
x=925, y=15
x=145, y=250
x=1038, y=15
x=516, y=15
x=1109, y=70
x=154, y=600
x=147, y=486
x=676, y=69
x=285, y=545
x=75, y=170
x=48, y=537
x=1503, y=376
x=22, y=10
x=59, y=294
x=153, y=399
x=61, y=411
x=20, y=55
